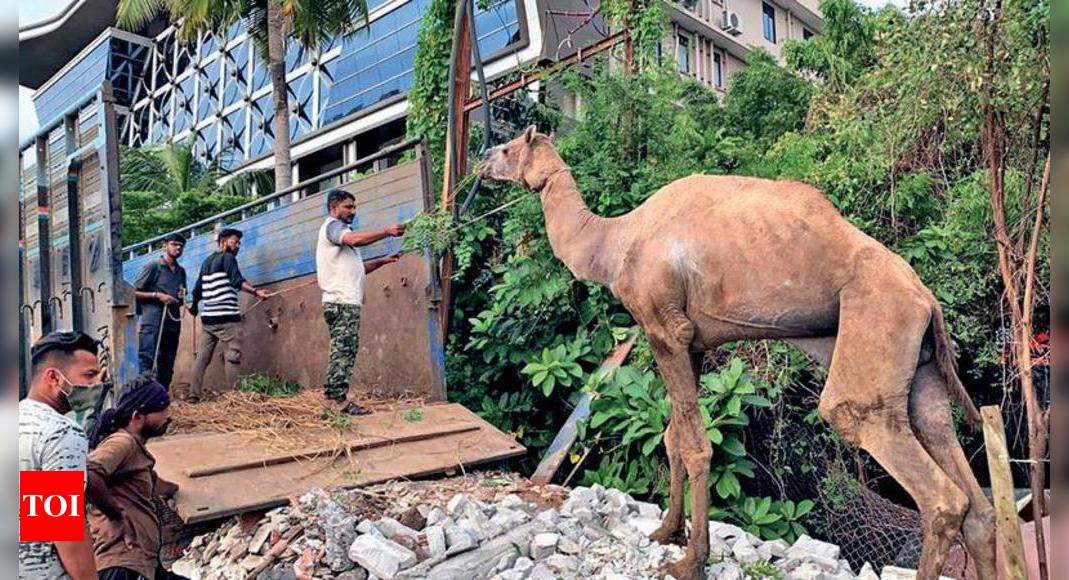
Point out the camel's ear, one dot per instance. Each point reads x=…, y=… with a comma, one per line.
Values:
x=553, y=137
x=529, y=134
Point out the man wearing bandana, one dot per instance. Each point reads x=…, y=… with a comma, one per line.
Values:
x=62, y=363
x=122, y=483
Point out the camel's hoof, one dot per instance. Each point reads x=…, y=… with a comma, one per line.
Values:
x=665, y=535
x=685, y=569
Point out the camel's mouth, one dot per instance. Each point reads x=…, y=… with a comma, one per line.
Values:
x=483, y=169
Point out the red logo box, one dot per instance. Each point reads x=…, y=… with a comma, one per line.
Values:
x=51, y=506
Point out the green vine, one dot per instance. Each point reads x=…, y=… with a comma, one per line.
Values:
x=429, y=96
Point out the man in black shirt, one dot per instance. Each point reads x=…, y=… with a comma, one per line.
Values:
x=160, y=289
x=215, y=299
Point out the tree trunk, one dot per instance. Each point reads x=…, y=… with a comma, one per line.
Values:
x=280, y=124
x=1018, y=279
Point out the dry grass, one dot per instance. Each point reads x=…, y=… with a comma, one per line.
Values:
x=283, y=422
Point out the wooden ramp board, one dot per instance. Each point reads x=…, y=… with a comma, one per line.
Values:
x=221, y=474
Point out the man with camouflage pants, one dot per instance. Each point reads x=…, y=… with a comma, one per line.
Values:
x=340, y=271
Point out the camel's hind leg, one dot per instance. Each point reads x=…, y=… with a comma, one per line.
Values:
x=866, y=398
x=932, y=422
x=929, y=412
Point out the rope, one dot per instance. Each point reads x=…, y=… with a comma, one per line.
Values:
x=505, y=205
x=166, y=315
x=497, y=209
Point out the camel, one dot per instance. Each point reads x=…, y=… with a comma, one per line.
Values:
x=713, y=259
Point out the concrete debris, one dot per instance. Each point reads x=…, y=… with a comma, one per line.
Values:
x=592, y=532
x=380, y=556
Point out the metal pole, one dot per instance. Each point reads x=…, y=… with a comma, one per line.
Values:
x=74, y=229
x=44, y=235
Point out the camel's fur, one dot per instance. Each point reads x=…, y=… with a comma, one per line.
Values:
x=712, y=259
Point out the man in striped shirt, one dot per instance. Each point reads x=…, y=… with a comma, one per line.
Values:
x=215, y=299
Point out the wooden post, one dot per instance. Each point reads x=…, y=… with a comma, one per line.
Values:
x=1008, y=524
x=562, y=443
x=456, y=148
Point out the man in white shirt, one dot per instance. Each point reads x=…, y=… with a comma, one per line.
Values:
x=50, y=441
x=340, y=270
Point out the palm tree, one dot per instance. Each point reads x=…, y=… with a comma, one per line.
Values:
x=164, y=187
x=310, y=22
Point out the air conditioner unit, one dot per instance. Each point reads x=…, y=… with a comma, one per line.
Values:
x=730, y=23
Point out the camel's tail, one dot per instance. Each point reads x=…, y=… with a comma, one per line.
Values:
x=948, y=367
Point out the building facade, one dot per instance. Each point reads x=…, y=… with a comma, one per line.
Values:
x=347, y=98
x=711, y=39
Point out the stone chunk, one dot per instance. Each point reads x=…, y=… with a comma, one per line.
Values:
x=726, y=571
x=380, y=556
x=544, y=544
x=808, y=546
x=436, y=516
x=867, y=573
x=458, y=540
x=436, y=544
x=391, y=527
x=256, y=544
x=457, y=505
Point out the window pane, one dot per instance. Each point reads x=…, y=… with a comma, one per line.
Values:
x=237, y=72
x=683, y=54
x=232, y=146
x=208, y=104
x=768, y=22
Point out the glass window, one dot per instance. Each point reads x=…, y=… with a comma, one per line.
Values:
x=718, y=70
x=683, y=53
x=237, y=73
x=260, y=131
x=260, y=74
x=208, y=104
x=768, y=21
x=300, y=105
x=232, y=146
x=206, y=142
x=375, y=64
x=161, y=126
x=296, y=55
x=163, y=67
x=182, y=58
x=207, y=45
x=183, y=105
x=806, y=33
x=497, y=26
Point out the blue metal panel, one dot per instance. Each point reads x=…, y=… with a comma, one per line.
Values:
x=80, y=80
x=279, y=243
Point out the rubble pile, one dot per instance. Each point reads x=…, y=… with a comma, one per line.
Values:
x=594, y=533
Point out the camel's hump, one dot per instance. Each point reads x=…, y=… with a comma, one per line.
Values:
x=727, y=187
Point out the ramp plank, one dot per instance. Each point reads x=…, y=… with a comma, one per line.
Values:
x=449, y=436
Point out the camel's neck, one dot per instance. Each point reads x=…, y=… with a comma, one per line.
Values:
x=588, y=244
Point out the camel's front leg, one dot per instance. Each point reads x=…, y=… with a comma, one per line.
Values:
x=692, y=450
x=671, y=530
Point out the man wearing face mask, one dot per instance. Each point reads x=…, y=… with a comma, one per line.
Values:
x=61, y=363
x=122, y=482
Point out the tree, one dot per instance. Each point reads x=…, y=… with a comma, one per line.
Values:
x=310, y=22
x=164, y=187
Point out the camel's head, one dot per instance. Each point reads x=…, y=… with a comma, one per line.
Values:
x=525, y=160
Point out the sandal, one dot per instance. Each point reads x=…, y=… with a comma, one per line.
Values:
x=351, y=408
